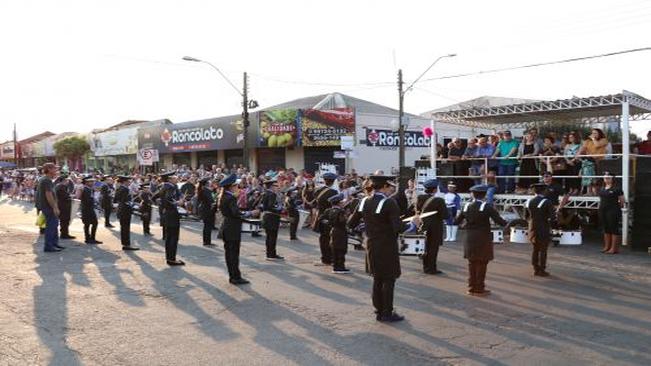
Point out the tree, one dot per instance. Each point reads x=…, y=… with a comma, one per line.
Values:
x=71, y=148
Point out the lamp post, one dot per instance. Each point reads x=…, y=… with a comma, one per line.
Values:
x=401, y=99
x=246, y=104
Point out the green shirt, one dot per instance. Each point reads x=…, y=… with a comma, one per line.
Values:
x=505, y=148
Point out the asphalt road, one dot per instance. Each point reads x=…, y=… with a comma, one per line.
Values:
x=98, y=305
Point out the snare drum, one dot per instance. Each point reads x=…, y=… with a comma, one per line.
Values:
x=519, y=236
x=411, y=244
x=302, y=216
x=251, y=225
x=498, y=235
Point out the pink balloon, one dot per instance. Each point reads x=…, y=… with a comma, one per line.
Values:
x=427, y=131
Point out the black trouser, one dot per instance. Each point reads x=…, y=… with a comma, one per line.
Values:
x=146, y=220
x=324, y=243
x=171, y=241
x=90, y=228
x=339, y=258
x=232, y=254
x=107, y=214
x=293, y=226
x=208, y=224
x=270, y=241
x=383, y=295
x=539, y=255
x=64, y=224
x=125, y=229
x=477, y=275
x=431, y=253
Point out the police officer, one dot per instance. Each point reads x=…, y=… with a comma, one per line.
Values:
x=432, y=225
x=145, y=198
x=271, y=218
x=291, y=206
x=336, y=216
x=88, y=214
x=322, y=195
x=125, y=209
x=381, y=216
x=170, y=198
x=64, y=201
x=207, y=209
x=478, y=245
x=106, y=200
x=540, y=212
x=231, y=228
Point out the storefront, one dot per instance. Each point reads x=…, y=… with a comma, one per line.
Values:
x=233, y=157
x=207, y=158
x=270, y=159
x=180, y=159
x=115, y=151
x=314, y=156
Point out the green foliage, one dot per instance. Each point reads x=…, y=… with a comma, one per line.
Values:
x=71, y=148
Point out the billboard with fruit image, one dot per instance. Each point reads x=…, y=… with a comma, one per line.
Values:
x=326, y=127
x=279, y=128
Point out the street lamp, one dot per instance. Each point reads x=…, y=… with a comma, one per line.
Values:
x=401, y=96
x=246, y=104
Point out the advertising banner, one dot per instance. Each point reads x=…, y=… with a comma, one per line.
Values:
x=326, y=127
x=388, y=138
x=120, y=142
x=147, y=156
x=203, y=135
x=279, y=128
x=7, y=150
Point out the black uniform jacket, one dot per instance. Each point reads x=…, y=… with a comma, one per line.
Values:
x=382, y=226
x=432, y=225
x=478, y=245
x=540, y=212
x=105, y=197
x=125, y=202
x=206, y=203
x=169, y=195
x=64, y=201
x=87, y=204
x=231, y=229
x=145, y=203
x=337, y=218
x=271, y=210
x=322, y=204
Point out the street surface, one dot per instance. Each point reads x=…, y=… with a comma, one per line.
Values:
x=98, y=305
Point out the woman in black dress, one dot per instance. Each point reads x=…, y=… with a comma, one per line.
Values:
x=528, y=148
x=611, y=201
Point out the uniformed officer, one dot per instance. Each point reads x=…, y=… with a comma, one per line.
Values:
x=207, y=209
x=88, y=214
x=322, y=204
x=231, y=228
x=271, y=218
x=106, y=200
x=478, y=245
x=381, y=216
x=125, y=209
x=432, y=225
x=170, y=198
x=145, y=198
x=336, y=216
x=291, y=205
x=64, y=201
x=540, y=212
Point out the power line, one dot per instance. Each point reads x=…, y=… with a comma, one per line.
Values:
x=568, y=60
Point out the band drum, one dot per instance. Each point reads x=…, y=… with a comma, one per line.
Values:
x=251, y=226
x=411, y=244
x=568, y=237
x=498, y=235
x=519, y=235
x=302, y=216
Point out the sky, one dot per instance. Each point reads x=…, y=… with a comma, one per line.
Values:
x=80, y=65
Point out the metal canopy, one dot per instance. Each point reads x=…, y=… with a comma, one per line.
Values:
x=575, y=110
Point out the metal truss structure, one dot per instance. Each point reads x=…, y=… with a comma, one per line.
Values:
x=575, y=110
x=519, y=200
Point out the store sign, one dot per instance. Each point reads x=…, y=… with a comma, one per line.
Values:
x=147, y=156
x=279, y=128
x=210, y=134
x=7, y=151
x=388, y=138
x=326, y=127
x=110, y=143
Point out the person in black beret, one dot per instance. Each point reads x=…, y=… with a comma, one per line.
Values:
x=478, y=245
x=271, y=218
x=540, y=212
x=88, y=215
x=322, y=195
x=231, y=227
x=207, y=210
x=125, y=209
x=291, y=206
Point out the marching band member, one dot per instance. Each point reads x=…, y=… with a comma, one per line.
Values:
x=145, y=198
x=478, y=246
x=322, y=204
x=453, y=204
x=540, y=211
x=336, y=216
x=170, y=217
x=207, y=209
x=291, y=205
x=88, y=214
x=125, y=208
x=106, y=200
x=432, y=225
x=271, y=218
x=64, y=201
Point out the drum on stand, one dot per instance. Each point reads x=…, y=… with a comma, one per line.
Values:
x=251, y=225
x=302, y=217
x=411, y=244
x=498, y=235
x=519, y=235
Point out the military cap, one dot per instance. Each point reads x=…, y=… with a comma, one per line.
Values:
x=336, y=198
x=87, y=178
x=431, y=183
x=229, y=181
x=123, y=178
x=479, y=188
x=382, y=179
x=144, y=185
x=329, y=176
x=165, y=176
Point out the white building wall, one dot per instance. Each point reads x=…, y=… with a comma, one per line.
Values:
x=294, y=158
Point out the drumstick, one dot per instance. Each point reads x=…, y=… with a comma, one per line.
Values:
x=422, y=216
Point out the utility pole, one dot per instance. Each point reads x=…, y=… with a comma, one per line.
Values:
x=245, y=119
x=15, y=146
x=401, y=128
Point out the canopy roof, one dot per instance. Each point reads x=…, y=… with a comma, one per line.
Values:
x=575, y=110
